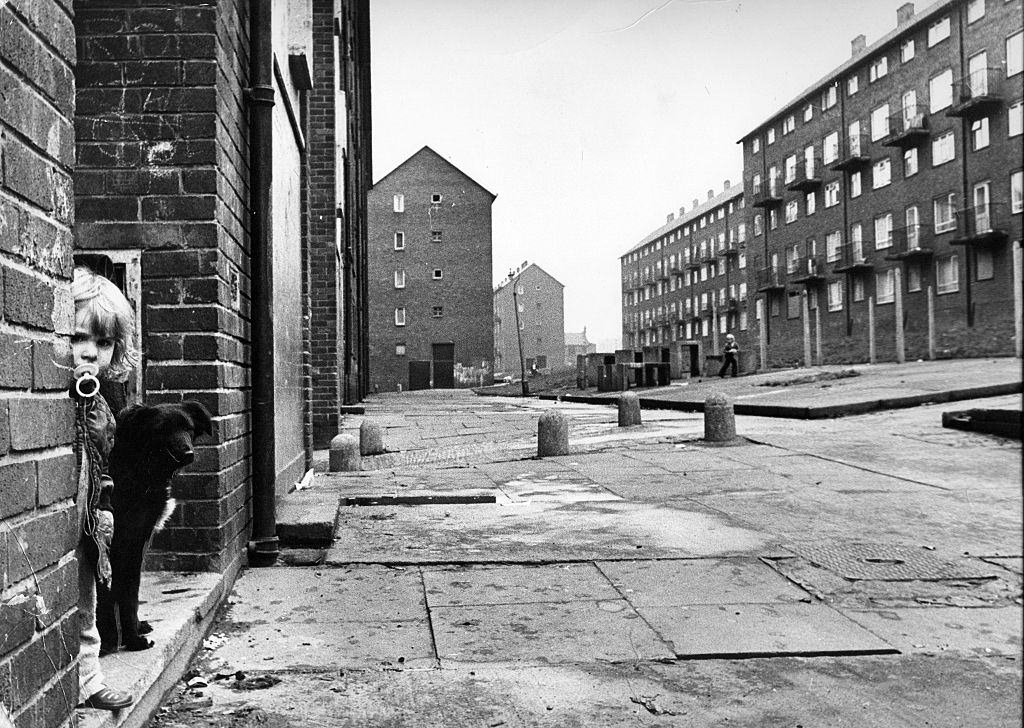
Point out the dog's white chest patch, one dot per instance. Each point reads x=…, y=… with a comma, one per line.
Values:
x=168, y=510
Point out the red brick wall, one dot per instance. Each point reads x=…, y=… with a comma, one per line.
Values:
x=38, y=522
x=163, y=167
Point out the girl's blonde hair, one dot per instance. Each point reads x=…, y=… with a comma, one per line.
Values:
x=101, y=308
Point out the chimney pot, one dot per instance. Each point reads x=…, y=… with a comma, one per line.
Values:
x=711, y=194
x=670, y=217
x=726, y=185
x=696, y=202
x=904, y=13
x=858, y=44
x=682, y=210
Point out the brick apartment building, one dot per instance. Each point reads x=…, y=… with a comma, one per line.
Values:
x=685, y=284
x=892, y=187
x=577, y=344
x=429, y=271
x=539, y=297
x=172, y=145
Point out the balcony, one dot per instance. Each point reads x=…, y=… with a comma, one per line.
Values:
x=907, y=129
x=853, y=154
x=982, y=225
x=807, y=176
x=732, y=305
x=729, y=249
x=646, y=279
x=770, y=279
x=852, y=258
x=708, y=255
x=977, y=94
x=809, y=270
x=766, y=193
x=662, y=275
x=913, y=241
x=693, y=264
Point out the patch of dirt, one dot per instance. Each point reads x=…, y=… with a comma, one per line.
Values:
x=810, y=378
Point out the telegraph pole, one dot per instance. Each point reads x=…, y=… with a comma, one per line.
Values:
x=519, y=334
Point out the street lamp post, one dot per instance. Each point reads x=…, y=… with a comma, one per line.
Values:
x=519, y=334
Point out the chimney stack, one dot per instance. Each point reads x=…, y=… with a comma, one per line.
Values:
x=670, y=217
x=682, y=210
x=904, y=13
x=696, y=203
x=711, y=194
x=725, y=186
x=857, y=45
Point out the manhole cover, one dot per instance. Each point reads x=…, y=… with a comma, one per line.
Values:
x=885, y=562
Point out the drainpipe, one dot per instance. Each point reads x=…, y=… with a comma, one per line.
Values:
x=263, y=548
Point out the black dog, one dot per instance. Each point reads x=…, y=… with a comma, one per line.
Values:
x=151, y=444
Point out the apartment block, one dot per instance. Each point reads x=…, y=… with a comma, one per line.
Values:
x=685, y=284
x=539, y=298
x=885, y=201
x=431, y=310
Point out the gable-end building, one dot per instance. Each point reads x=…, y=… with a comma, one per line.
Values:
x=541, y=316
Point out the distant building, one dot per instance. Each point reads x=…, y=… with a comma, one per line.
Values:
x=541, y=320
x=431, y=310
x=576, y=344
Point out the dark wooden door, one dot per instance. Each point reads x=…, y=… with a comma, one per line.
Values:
x=444, y=365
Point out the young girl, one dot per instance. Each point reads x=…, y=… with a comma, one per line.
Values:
x=101, y=349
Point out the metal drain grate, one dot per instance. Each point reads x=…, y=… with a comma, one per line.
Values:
x=886, y=562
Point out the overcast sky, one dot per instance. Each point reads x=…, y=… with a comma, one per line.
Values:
x=593, y=119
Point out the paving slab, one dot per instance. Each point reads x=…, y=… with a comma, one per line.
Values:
x=700, y=581
x=546, y=633
x=446, y=587
x=981, y=631
x=723, y=631
x=307, y=517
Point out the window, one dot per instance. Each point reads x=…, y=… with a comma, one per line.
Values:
x=833, y=242
x=793, y=305
x=742, y=260
x=1015, y=54
x=881, y=174
x=855, y=184
x=743, y=291
x=912, y=217
x=879, y=122
x=851, y=85
x=792, y=207
x=399, y=279
x=435, y=236
x=914, y=276
x=907, y=50
x=979, y=133
x=878, y=69
x=771, y=135
x=789, y=125
x=811, y=203
x=438, y=312
x=758, y=224
x=977, y=75
x=944, y=214
x=438, y=274
x=858, y=288
x=910, y=162
x=755, y=145
x=790, y=166
x=400, y=349
x=1015, y=119
x=857, y=241
x=399, y=203
x=831, y=147
x=938, y=31
x=828, y=98
x=983, y=264
x=832, y=193
x=792, y=256
x=883, y=231
x=975, y=10
x=1017, y=192
x=947, y=274
x=808, y=112
x=400, y=316
x=773, y=219
x=943, y=149
x=399, y=241
x=435, y=199
x=885, y=286
x=773, y=305
x=835, y=295
x=940, y=91
x=853, y=138
x=743, y=320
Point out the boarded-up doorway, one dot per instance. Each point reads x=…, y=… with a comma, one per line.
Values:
x=444, y=365
x=419, y=375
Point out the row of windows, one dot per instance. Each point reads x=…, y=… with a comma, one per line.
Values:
x=721, y=298
x=400, y=277
x=940, y=86
x=699, y=224
x=398, y=201
x=690, y=329
x=401, y=318
x=436, y=236
x=707, y=271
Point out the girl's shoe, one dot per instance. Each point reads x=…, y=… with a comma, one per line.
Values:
x=109, y=699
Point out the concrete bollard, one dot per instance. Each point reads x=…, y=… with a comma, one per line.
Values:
x=629, y=409
x=719, y=419
x=552, y=434
x=344, y=455
x=371, y=438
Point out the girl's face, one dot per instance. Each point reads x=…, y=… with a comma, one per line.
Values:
x=89, y=348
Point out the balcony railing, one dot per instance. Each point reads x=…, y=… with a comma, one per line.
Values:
x=708, y=255
x=728, y=248
x=807, y=176
x=692, y=264
x=809, y=269
x=663, y=274
x=908, y=128
x=977, y=94
x=985, y=224
x=911, y=241
x=770, y=278
x=766, y=193
x=853, y=256
x=853, y=153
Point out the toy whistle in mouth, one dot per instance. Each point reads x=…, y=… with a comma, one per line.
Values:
x=86, y=383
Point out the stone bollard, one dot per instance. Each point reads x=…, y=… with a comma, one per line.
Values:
x=552, y=434
x=371, y=438
x=344, y=455
x=719, y=419
x=629, y=409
